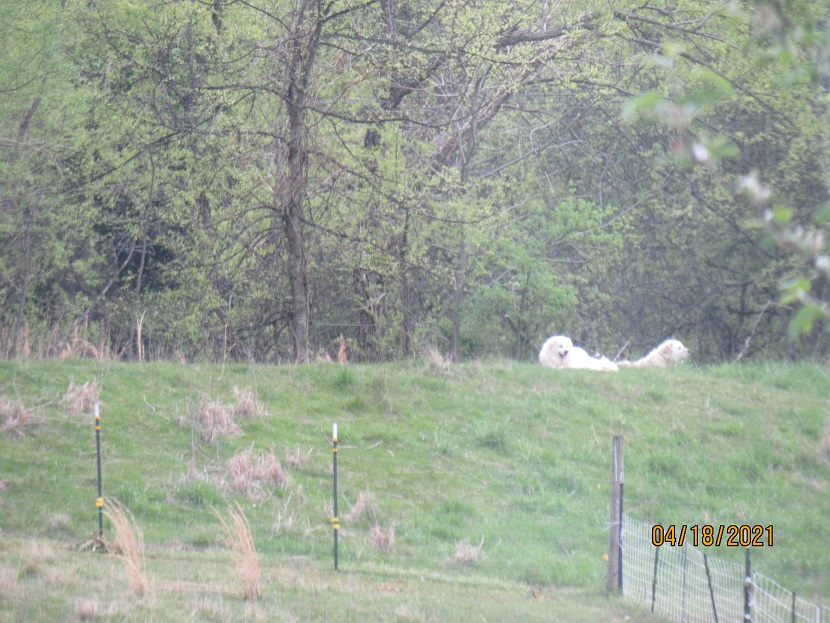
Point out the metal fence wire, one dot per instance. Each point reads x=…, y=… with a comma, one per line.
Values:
x=688, y=586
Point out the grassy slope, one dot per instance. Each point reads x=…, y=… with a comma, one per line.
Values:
x=512, y=453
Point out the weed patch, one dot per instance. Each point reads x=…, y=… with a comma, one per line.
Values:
x=296, y=458
x=344, y=378
x=363, y=508
x=80, y=398
x=467, y=554
x=15, y=419
x=240, y=541
x=250, y=472
x=247, y=403
x=129, y=543
x=382, y=539
x=213, y=421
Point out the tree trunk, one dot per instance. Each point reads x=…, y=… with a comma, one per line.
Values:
x=306, y=41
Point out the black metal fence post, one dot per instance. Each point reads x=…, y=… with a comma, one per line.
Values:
x=711, y=590
x=654, y=581
x=334, y=520
x=100, y=501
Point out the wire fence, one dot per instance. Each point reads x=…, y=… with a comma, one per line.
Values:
x=686, y=585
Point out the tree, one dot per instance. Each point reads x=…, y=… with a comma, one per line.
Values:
x=781, y=139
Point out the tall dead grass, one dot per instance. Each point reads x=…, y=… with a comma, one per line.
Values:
x=382, y=539
x=86, y=609
x=247, y=403
x=250, y=472
x=364, y=507
x=467, y=554
x=80, y=398
x=297, y=459
x=240, y=541
x=15, y=418
x=435, y=361
x=214, y=420
x=129, y=542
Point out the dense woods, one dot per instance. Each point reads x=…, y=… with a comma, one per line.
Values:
x=250, y=180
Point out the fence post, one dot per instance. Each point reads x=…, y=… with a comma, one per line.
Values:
x=100, y=501
x=615, y=579
x=793, y=609
x=334, y=520
x=747, y=589
x=685, y=590
x=711, y=590
x=654, y=581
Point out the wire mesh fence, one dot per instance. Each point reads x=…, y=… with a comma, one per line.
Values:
x=686, y=585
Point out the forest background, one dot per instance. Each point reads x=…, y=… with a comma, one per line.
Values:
x=250, y=180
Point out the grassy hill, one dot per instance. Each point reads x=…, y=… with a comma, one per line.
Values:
x=475, y=491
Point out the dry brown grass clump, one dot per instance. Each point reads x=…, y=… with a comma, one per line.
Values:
x=86, y=609
x=250, y=472
x=296, y=458
x=14, y=418
x=80, y=398
x=240, y=541
x=435, y=361
x=342, y=354
x=364, y=507
x=467, y=554
x=382, y=540
x=247, y=403
x=129, y=542
x=214, y=420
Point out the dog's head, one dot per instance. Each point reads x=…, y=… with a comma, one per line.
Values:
x=558, y=347
x=673, y=350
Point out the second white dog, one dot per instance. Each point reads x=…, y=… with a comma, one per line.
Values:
x=668, y=352
x=559, y=352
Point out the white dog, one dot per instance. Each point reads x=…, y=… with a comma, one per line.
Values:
x=559, y=352
x=670, y=351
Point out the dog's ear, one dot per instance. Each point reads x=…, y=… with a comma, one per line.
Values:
x=666, y=349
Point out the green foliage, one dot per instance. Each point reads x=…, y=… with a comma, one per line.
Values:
x=788, y=149
x=464, y=180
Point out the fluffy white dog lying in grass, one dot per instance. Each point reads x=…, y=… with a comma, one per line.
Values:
x=668, y=352
x=559, y=352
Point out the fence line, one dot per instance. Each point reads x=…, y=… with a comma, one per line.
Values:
x=688, y=586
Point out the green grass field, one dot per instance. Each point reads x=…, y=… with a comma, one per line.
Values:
x=510, y=459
